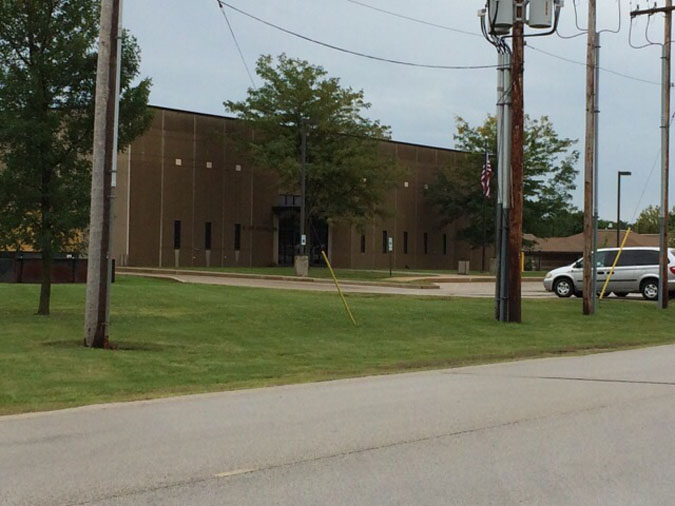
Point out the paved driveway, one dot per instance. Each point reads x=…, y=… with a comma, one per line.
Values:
x=591, y=430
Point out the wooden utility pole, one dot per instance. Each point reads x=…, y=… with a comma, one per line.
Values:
x=589, y=160
x=517, y=138
x=665, y=143
x=99, y=268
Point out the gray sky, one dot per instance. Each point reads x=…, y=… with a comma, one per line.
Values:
x=189, y=52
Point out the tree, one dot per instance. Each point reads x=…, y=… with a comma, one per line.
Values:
x=649, y=222
x=47, y=80
x=549, y=173
x=346, y=176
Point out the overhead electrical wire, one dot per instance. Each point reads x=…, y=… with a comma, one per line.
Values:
x=416, y=20
x=356, y=53
x=449, y=28
x=236, y=43
x=609, y=71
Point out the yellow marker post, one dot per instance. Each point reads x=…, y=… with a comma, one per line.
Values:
x=337, y=285
x=616, y=260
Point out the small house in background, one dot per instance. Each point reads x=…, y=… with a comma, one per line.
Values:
x=544, y=254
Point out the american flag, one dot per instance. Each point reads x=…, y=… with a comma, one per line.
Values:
x=485, y=176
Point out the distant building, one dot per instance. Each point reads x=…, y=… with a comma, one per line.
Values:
x=544, y=254
x=185, y=196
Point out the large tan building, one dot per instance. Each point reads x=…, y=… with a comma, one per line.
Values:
x=186, y=196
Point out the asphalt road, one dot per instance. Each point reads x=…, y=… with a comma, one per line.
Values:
x=591, y=430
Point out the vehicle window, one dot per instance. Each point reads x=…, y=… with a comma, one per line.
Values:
x=649, y=257
x=608, y=259
x=629, y=257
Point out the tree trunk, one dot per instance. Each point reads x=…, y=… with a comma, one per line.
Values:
x=45, y=283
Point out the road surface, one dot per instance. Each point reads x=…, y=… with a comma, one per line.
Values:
x=590, y=430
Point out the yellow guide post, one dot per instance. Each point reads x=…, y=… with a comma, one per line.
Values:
x=616, y=260
x=337, y=285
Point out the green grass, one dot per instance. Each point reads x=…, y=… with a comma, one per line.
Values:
x=176, y=338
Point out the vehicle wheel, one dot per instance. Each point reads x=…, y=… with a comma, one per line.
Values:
x=620, y=294
x=650, y=289
x=563, y=287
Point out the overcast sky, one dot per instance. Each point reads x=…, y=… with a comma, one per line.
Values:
x=189, y=53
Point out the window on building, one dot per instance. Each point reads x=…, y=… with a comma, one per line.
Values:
x=405, y=243
x=237, y=237
x=384, y=241
x=176, y=234
x=445, y=244
x=426, y=243
x=363, y=243
x=207, y=236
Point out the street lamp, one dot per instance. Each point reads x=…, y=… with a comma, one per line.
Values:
x=618, y=203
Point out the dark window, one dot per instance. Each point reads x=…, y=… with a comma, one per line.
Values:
x=237, y=237
x=176, y=234
x=207, y=235
x=445, y=244
x=638, y=257
x=426, y=243
x=607, y=258
x=384, y=241
x=405, y=243
x=363, y=243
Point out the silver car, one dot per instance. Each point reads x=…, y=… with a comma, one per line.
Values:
x=637, y=271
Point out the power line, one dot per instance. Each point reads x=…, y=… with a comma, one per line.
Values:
x=357, y=53
x=609, y=71
x=236, y=43
x=416, y=20
x=449, y=28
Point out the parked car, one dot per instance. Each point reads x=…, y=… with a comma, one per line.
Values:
x=637, y=271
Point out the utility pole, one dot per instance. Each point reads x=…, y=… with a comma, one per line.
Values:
x=589, y=159
x=665, y=143
x=517, y=137
x=99, y=263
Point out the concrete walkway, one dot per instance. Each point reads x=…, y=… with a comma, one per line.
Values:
x=441, y=287
x=589, y=430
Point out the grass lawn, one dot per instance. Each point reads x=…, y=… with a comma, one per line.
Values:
x=176, y=338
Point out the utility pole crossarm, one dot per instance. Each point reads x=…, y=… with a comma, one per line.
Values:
x=649, y=12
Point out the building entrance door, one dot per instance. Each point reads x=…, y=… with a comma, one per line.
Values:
x=289, y=235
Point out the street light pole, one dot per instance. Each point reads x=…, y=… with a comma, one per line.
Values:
x=303, y=184
x=618, y=204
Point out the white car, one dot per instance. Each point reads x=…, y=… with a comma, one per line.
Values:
x=637, y=271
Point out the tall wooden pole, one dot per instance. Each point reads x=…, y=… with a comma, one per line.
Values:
x=665, y=156
x=589, y=159
x=517, y=126
x=99, y=268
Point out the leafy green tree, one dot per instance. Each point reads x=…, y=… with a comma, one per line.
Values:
x=47, y=80
x=346, y=176
x=649, y=222
x=549, y=173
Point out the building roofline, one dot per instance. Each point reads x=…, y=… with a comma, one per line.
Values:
x=223, y=116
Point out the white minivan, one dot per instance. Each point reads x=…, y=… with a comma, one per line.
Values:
x=637, y=271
